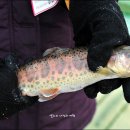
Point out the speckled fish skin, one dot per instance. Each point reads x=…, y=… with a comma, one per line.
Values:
x=66, y=70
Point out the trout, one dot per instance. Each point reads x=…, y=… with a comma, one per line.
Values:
x=63, y=70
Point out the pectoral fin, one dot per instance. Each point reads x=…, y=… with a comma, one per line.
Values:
x=105, y=71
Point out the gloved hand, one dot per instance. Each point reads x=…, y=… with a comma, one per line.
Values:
x=11, y=99
x=109, y=31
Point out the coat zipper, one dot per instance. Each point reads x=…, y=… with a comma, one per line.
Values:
x=37, y=55
x=10, y=22
x=37, y=36
x=12, y=45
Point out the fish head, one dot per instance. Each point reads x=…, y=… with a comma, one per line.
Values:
x=119, y=62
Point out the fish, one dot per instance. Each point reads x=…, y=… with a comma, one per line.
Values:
x=64, y=70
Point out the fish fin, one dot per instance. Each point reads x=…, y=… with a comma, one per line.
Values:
x=123, y=47
x=43, y=99
x=61, y=50
x=50, y=92
x=105, y=71
x=54, y=51
x=50, y=51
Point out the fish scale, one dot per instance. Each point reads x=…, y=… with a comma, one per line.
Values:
x=63, y=70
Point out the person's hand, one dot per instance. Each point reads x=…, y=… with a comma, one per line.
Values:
x=109, y=31
x=11, y=99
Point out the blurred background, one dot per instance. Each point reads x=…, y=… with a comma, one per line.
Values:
x=112, y=110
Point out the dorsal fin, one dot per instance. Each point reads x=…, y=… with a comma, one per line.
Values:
x=55, y=51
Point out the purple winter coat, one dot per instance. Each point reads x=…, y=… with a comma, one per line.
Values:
x=29, y=36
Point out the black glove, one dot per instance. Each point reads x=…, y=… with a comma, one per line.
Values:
x=109, y=30
x=11, y=99
x=100, y=25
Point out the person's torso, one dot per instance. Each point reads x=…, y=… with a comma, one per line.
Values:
x=29, y=36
